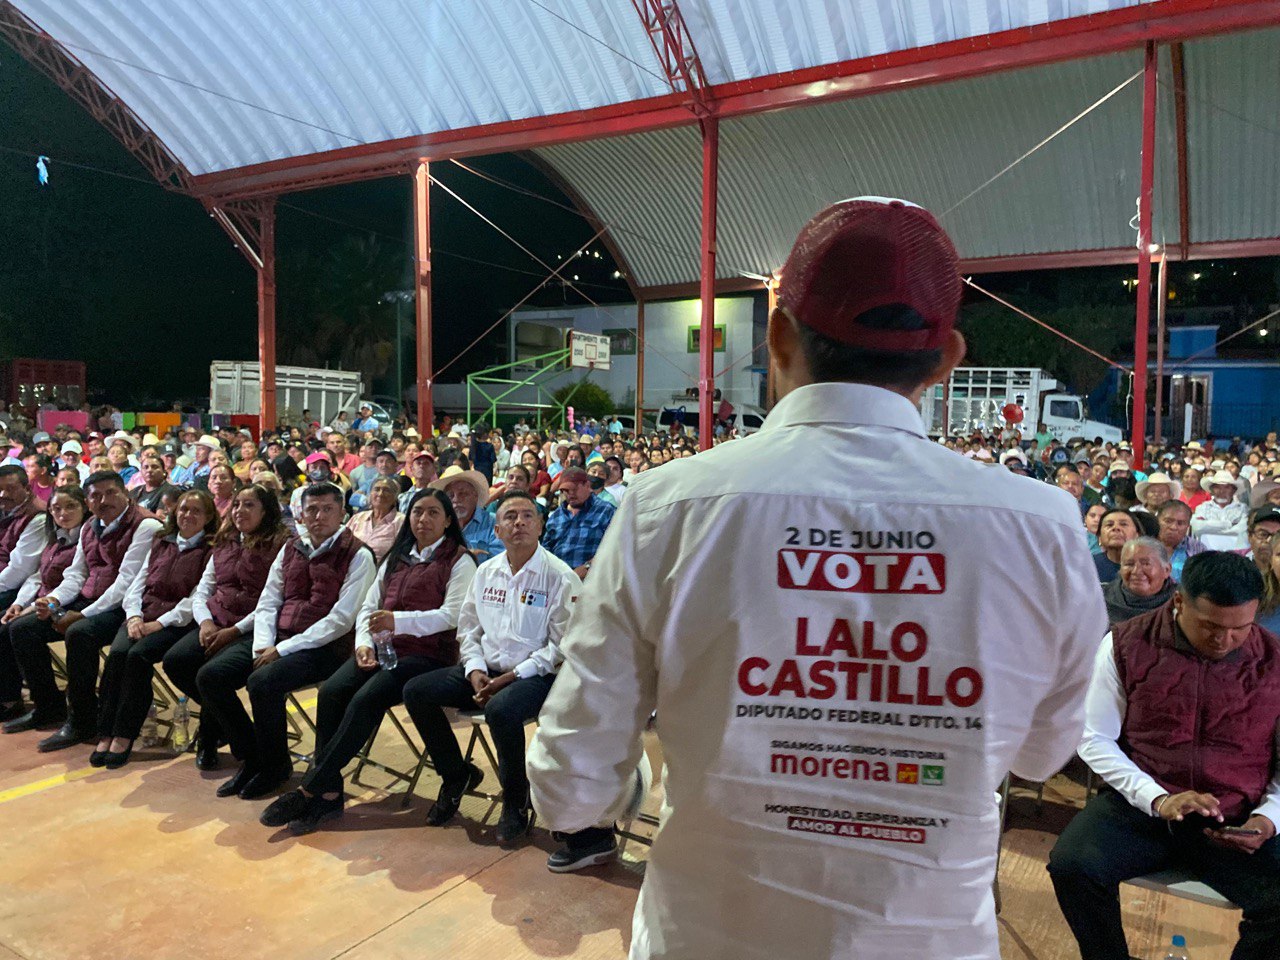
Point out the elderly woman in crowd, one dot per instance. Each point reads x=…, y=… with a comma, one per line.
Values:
x=1192, y=494
x=222, y=484
x=1268, y=616
x=1145, y=581
x=1116, y=528
x=122, y=447
x=157, y=610
x=246, y=453
x=377, y=526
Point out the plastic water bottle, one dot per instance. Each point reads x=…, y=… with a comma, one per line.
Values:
x=1178, y=951
x=180, y=736
x=150, y=734
x=387, y=658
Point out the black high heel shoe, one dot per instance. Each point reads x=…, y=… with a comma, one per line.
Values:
x=116, y=760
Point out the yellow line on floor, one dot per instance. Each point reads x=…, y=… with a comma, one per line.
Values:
x=304, y=704
x=26, y=790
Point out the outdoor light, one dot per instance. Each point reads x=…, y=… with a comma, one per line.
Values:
x=617, y=274
x=1262, y=332
x=1195, y=276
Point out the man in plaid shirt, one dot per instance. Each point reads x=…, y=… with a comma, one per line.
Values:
x=574, y=530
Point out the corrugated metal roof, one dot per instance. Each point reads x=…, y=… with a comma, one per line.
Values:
x=1233, y=136
x=933, y=145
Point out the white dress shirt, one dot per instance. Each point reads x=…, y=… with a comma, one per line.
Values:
x=203, y=593
x=421, y=623
x=617, y=491
x=514, y=621
x=180, y=615
x=134, y=555
x=328, y=628
x=30, y=588
x=719, y=598
x=1227, y=527
x=1104, y=710
x=24, y=558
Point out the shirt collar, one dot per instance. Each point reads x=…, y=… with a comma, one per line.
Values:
x=304, y=539
x=67, y=536
x=186, y=543
x=421, y=556
x=103, y=530
x=533, y=566
x=855, y=404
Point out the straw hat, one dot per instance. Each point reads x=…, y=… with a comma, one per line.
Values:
x=1221, y=478
x=455, y=473
x=1258, y=495
x=120, y=436
x=213, y=443
x=1156, y=479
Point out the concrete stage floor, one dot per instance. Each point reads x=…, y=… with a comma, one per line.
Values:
x=145, y=862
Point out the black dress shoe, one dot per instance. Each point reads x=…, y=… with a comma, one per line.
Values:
x=31, y=720
x=67, y=736
x=286, y=807
x=115, y=761
x=99, y=758
x=514, y=823
x=207, y=756
x=317, y=811
x=12, y=711
x=232, y=787
x=450, y=797
x=265, y=782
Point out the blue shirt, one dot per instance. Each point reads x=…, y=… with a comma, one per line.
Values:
x=362, y=478
x=575, y=538
x=481, y=537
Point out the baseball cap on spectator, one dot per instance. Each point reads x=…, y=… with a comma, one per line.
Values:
x=867, y=253
x=423, y=453
x=95, y=435
x=71, y=447
x=1263, y=514
x=318, y=456
x=325, y=431
x=168, y=450
x=41, y=437
x=1120, y=466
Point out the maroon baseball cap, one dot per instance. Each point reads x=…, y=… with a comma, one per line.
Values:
x=870, y=252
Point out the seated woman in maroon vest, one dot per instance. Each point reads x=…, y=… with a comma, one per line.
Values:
x=157, y=609
x=222, y=604
x=67, y=513
x=415, y=599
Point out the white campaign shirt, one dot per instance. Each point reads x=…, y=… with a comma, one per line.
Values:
x=76, y=575
x=515, y=621
x=849, y=634
x=1105, y=708
x=421, y=623
x=334, y=624
x=24, y=558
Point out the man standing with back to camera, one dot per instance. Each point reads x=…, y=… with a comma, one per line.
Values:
x=842, y=671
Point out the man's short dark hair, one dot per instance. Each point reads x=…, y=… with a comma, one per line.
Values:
x=322, y=489
x=103, y=476
x=1224, y=579
x=1062, y=468
x=829, y=360
x=15, y=471
x=515, y=495
x=1169, y=506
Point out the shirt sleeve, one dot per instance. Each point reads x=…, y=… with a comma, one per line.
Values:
x=29, y=590
x=137, y=552
x=588, y=744
x=1100, y=747
x=342, y=617
x=547, y=659
x=471, y=651
x=372, y=601
x=73, y=578
x=24, y=559
x=423, y=623
x=203, y=593
x=1270, y=805
x=268, y=606
x=133, y=596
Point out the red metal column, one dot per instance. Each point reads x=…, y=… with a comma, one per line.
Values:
x=710, y=182
x=1162, y=301
x=267, y=324
x=422, y=293
x=639, y=366
x=1141, y=328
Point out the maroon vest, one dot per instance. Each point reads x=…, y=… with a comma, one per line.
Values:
x=171, y=575
x=1197, y=724
x=240, y=573
x=312, y=585
x=103, y=555
x=11, y=527
x=422, y=586
x=54, y=561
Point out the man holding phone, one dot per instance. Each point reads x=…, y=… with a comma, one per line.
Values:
x=1181, y=725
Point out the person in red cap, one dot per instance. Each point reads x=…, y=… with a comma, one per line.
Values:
x=842, y=672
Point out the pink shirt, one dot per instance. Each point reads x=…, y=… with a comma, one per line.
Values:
x=378, y=537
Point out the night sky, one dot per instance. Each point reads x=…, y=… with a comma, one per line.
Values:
x=145, y=287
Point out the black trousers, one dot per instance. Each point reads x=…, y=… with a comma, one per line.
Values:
x=182, y=664
x=124, y=693
x=351, y=706
x=263, y=741
x=506, y=713
x=31, y=637
x=1110, y=842
x=10, y=675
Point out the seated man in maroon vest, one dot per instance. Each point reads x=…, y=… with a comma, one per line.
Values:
x=22, y=539
x=86, y=609
x=1181, y=725
x=413, y=605
x=301, y=634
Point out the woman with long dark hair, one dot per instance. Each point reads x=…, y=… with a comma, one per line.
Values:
x=157, y=611
x=223, y=601
x=413, y=604
x=67, y=512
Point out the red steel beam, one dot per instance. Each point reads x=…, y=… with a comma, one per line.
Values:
x=707, y=323
x=1141, y=331
x=1072, y=39
x=44, y=53
x=1180, y=136
x=673, y=45
x=422, y=294
x=267, y=324
x=639, y=365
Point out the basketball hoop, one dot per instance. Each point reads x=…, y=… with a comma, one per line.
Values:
x=588, y=351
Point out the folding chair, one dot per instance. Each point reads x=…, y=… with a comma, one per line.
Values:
x=1181, y=883
x=365, y=760
x=295, y=709
x=478, y=736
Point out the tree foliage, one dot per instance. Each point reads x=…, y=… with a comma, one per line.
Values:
x=589, y=400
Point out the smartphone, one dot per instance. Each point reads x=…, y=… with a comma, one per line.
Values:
x=1240, y=831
